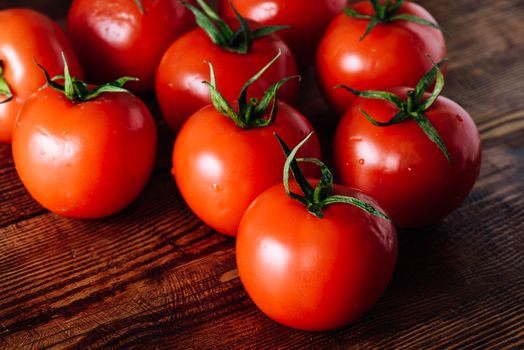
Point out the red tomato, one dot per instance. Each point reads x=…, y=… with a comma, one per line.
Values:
x=114, y=38
x=392, y=54
x=401, y=167
x=179, y=87
x=311, y=273
x=220, y=169
x=307, y=19
x=84, y=159
x=28, y=36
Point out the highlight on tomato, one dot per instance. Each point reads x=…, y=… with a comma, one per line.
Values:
x=225, y=155
x=306, y=20
x=418, y=154
x=27, y=35
x=313, y=255
x=375, y=45
x=125, y=37
x=238, y=51
x=84, y=151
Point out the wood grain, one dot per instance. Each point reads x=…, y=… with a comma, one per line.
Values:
x=154, y=276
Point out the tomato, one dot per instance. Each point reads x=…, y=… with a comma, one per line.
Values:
x=28, y=36
x=307, y=19
x=115, y=38
x=84, y=159
x=417, y=181
x=220, y=169
x=392, y=54
x=311, y=272
x=179, y=87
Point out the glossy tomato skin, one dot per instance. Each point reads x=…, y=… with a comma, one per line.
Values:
x=220, y=169
x=114, y=39
x=85, y=160
x=393, y=54
x=307, y=19
x=27, y=36
x=179, y=87
x=310, y=273
x=401, y=168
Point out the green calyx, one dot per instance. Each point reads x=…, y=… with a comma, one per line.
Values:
x=4, y=87
x=251, y=113
x=139, y=5
x=386, y=12
x=78, y=91
x=315, y=199
x=221, y=34
x=414, y=107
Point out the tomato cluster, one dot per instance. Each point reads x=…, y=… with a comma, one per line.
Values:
x=311, y=254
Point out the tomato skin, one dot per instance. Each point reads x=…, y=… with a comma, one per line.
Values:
x=310, y=273
x=179, y=87
x=220, y=169
x=113, y=39
x=27, y=36
x=393, y=54
x=400, y=167
x=307, y=19
x=85, y=160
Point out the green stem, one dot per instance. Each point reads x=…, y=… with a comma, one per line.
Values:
x=386, y=13
x=410, y=107
x=4, y=87
x=315, y=199
x=414, y=107
x=251, y=113
x=139, y=5
x=78, y=91
x=220, y=32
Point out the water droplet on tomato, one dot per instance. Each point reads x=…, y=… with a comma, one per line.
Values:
x=355, y=138
x=409, y=169
x=216, y=188
x=361, y=161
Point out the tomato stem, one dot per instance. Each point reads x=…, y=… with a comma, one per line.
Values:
x=414, y=107
x=315, y=199
x=386, y=13
x=140, y=6
x=221, y=34
x=4, y=87
x=78, y=91
x=410, y=106
x=251, y=113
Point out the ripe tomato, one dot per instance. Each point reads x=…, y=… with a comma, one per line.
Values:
x=394, y=53
x=220, y=169
x=84, y=159
x=311, y=272
x=307, y=19
x=28, y=36
x=115, y=38
x=179, y=87
x=400, y=166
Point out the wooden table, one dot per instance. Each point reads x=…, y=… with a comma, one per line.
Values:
x=155, y=276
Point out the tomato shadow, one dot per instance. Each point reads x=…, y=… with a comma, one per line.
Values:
x=430, y=269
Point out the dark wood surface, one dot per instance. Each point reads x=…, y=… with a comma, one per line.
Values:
x=154, y=276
